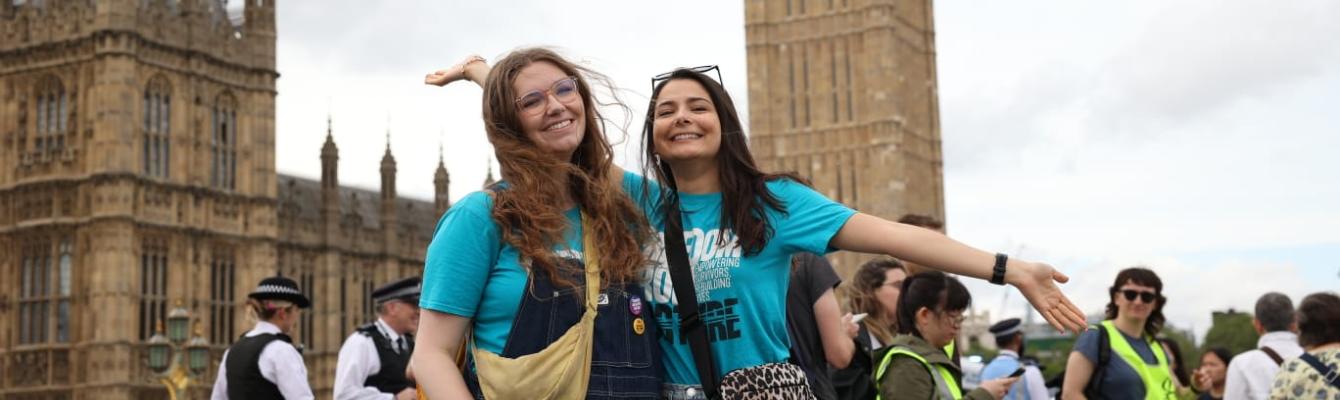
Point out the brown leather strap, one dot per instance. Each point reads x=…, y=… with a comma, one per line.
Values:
x=1273, y=355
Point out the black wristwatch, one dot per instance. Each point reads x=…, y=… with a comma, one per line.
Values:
x=998, y=271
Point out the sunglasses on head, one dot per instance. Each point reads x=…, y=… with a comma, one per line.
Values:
x=1145, y=296
x=702, y=69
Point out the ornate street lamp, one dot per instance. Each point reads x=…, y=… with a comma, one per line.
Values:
x=177, y=321
x=160, y=350
x=176, y=361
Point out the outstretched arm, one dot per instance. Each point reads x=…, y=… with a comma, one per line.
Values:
x=1037, y=281
x=472, y=68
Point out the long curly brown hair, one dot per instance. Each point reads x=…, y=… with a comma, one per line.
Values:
x=530, y=218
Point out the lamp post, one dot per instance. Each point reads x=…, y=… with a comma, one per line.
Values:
x=175, y=370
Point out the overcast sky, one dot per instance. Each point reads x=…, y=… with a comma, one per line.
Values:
x=1196, y=137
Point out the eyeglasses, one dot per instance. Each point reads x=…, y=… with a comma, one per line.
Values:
x=1146, y=296
x=702, y=69
x=955, y=318
x=565, y=90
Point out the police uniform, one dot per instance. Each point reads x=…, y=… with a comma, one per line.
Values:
x=1031, y=386
x=263, y=364
x=373, y=359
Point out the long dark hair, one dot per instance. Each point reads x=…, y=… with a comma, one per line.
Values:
x=1178, y=362
x=861, y=296
x=932, y=290
x=744, y=192
x=530, y=220
x=1144, y=277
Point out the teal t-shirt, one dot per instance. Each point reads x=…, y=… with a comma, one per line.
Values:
x=742, y=298
x=471, y=272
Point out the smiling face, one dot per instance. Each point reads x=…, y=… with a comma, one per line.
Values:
x=686, y=125
x=1136, y=308
x=555, y=120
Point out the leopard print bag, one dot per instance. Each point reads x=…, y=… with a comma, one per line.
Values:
x=766, y=382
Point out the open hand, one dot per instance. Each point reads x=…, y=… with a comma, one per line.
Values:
x=1037, y=281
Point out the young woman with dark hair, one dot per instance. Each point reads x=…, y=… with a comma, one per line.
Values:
x=930, y=312
x=748, y=221
x=1212, y=373
x=1120, y=358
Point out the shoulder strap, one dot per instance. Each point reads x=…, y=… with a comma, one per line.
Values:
x=1273, y=355
x=1100, y=369
x=1329, y=374
x=690, y=321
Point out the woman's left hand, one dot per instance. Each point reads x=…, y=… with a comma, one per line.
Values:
x=1037, y=281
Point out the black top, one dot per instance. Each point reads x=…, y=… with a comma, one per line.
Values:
x=811, y=276
x=245, y=381
x=391, y=378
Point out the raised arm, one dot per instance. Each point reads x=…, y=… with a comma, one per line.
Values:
x=472, y=68
x=1037, y=281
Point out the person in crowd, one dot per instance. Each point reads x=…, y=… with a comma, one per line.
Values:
x=510, y=265
x=1175, y=363
x=821, y=335
x=1251, y=373
x=1120, y=359
x=263, y=364
x=1009, y=335
x=1315, y=374
x=1212, y=373
x=372, y=361
x=873, y=291
x=930, y=313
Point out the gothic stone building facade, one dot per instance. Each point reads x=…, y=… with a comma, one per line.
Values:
x=844, y=93
x=137, y=173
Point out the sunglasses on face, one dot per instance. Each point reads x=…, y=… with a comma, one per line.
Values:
x=565, y=90
x=1145, y=296
x=699, y=69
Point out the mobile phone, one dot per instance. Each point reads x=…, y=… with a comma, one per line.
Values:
x=858, y=317
x=1017, y=372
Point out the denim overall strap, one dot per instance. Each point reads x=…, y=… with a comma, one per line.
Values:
x=625, y=363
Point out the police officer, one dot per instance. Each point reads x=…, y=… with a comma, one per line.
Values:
x=373, y=360
x=263, y=364
x=1010, y=340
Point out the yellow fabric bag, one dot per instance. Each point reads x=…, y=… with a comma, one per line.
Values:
x=560, y=371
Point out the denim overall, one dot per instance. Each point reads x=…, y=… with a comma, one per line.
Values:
x=625, y=364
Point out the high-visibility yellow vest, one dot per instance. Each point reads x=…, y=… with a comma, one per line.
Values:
x=944, y=380
x=1157, y=378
